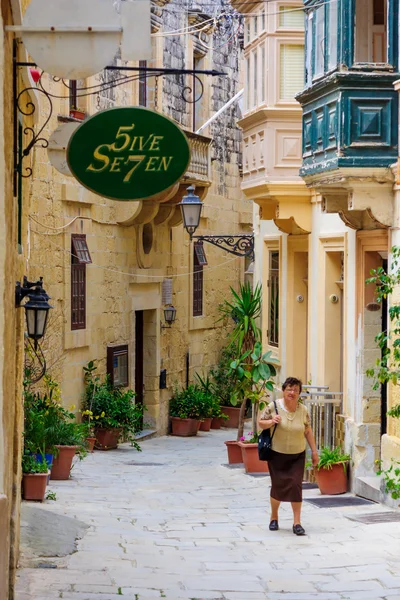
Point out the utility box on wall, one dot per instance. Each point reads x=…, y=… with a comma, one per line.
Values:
x=163, y=379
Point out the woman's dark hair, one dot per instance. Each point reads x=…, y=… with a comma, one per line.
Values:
x=292, y=381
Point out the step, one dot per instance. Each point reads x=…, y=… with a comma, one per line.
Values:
x=146, y=434
x=368, y=487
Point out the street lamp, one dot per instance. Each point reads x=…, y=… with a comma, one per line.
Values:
x=169, y=315
x=191, y=207
x=36, y=309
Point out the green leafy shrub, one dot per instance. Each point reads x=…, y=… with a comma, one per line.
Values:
x=31, y=465
x=329, y=457
x=48, y=423
x=391, y=478
x=108, y=407
x=193, y=403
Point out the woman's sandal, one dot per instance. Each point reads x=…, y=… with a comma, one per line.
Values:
x=298, y=529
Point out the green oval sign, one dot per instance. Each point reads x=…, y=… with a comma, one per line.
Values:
x=128, y=153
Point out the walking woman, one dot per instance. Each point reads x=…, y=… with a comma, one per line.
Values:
x=291, y=423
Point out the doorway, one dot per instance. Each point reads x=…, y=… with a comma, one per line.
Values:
x=139, y=354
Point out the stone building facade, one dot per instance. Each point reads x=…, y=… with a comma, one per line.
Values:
x=141, y=257
x=13, y=227
x=327, y=213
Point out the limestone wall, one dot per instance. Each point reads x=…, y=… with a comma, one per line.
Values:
x=124, y=277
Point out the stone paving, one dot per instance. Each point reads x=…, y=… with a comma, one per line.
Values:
x=174, y=522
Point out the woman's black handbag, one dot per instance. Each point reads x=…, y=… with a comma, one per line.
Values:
x=265, y=442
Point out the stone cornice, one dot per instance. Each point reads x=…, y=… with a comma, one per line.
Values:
x=276, y=113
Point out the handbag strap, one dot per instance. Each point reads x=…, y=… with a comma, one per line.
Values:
x=276, y=410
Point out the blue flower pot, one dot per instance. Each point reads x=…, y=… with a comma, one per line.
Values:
x=48, y=458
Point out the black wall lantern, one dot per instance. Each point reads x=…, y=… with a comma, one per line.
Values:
x=36, y=309
x=169, y=315
x=191, y=207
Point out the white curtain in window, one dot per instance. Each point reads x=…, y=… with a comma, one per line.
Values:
x=291, y=70
x=333, y=34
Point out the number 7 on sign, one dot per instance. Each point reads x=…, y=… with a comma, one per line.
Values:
x=138, y=159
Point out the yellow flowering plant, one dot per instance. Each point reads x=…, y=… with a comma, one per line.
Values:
x=108, y=407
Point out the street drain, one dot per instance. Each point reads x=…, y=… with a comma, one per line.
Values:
x=145, y=464
x=234, y=466
x=258, y=474
x=338, y=502
x=46, y=566
x=383, y=517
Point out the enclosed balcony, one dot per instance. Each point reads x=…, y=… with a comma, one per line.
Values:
x=350, y=116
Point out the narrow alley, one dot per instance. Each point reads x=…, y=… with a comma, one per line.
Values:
x=175, y=522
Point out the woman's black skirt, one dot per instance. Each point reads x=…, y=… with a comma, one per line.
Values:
x=286, y=471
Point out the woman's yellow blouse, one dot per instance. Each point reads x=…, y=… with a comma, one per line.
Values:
x=289, y=434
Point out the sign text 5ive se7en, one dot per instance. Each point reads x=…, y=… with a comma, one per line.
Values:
x=128, y=153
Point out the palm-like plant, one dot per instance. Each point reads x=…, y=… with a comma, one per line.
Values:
x=245, y=310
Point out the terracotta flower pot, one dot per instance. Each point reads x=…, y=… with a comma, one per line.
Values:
x=234, y=452
x=62, y=462
x=77, y=114
x=205, y=424
x=252, y=463
x=91, y=442
x=217, y=422
x=332, y=481
x=107, y=439
x=34, y=486
x=184, y=427
x=233, y=416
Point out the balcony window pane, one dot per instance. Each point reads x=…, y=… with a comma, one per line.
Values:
x=291, y=71
x=371, y=31
x=309, y=48
x=255, y=79
x=333, y=35
x=263, y=68
x=320, y=41
x=291, y=17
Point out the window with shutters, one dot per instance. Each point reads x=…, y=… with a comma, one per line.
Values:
x=291, y=17
x=199, y=262
x=117, y=365
x=273, y=299
x=291, y=71
x=80, y=257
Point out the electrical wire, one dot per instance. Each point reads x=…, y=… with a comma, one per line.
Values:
x=127, y=274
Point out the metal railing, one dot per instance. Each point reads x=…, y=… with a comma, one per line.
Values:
x=323, y=407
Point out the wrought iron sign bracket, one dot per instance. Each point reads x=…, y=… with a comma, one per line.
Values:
x=25, y=107
x=239, y=245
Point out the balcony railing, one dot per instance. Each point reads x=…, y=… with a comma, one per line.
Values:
x=200, y=165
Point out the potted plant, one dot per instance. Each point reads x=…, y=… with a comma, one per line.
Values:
x=254, y=380
x=34, y=478
x=249, y=449
x=212, y=417
x=331, y=471
x=245, y=345
x=112, y=410
x=77, y=113
x=224, y=388
x=186, y=410
x=71, y=440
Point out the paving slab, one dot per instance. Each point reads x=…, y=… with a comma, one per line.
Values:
x=172, y=522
